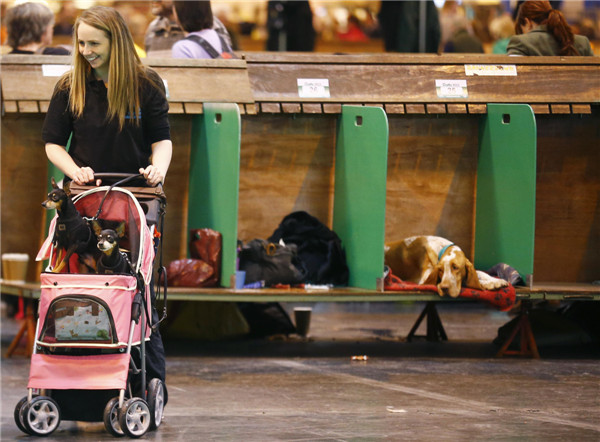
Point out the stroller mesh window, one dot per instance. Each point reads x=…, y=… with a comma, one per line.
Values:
x=76, y=320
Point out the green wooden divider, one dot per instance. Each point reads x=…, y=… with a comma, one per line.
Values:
x=360, y=187
x=506, y=178
x=214, y=178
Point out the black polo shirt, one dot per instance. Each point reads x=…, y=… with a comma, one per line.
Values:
x=100, y=144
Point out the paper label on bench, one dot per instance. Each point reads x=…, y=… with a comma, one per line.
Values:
x=451, y=88
x=497, y=70
x=313, y=87
x=55, y=70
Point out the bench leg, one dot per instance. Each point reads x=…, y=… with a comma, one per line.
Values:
x=27, y=329
x=435, y=329
x=527, y=340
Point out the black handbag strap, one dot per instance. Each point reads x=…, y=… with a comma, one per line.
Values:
x=206, y=45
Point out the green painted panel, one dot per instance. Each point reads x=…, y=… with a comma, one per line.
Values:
x=214, y=178
x=359, y=193
x=506, y=178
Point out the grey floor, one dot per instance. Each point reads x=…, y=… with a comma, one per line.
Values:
x=312, y=390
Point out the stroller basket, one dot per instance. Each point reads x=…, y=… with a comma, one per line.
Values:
x=86, y=310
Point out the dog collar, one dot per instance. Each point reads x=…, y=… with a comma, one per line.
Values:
x=444, y=251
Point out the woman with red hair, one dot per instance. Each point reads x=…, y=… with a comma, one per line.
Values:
x=542, y=30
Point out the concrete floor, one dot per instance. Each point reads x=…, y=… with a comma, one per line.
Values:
x=311, y=390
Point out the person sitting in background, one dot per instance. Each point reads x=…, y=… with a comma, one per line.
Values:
x=164, y=31
x=462, y=39
x=30, y=29
x=196, y=19
x=542, y=30
x=501, y=28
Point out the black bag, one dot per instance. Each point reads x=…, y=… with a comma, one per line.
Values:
x=269, y=262
x=227, y=52
x=320, y=253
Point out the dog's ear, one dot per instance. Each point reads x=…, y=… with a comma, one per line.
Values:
x=433, y=277
x=121, y=230
x=96, y=227
x=471, y=279
x=53, y=182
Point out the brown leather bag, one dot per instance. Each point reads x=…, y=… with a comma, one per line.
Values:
x=204, y=267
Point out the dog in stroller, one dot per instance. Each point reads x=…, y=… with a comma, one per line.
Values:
x=93, y=330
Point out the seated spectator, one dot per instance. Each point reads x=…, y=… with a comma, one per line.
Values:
x=195, y=18
x=501, y=28
x=164, y=31
x=462, y=39
x=30, y=30
x=542, y=30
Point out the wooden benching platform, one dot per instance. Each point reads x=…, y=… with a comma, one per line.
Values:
x=499, y=154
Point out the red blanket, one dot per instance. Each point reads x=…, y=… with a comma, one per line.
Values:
x=503, y=298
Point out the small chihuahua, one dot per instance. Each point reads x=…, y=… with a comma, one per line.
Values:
x=112, y=260
x=72, y=233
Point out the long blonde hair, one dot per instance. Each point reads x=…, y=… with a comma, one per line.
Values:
x=125, y=67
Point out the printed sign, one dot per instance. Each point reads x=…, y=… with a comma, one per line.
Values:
x=497, y=70
x=54, y=70
x=313, y=87
x=451, y=88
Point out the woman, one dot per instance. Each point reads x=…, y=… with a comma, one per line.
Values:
x=542, y=30
x=30, y=30
x=196, y=19
x=114, y=107
x=115, y=111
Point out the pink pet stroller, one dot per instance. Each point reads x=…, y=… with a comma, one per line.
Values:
x=89, y=362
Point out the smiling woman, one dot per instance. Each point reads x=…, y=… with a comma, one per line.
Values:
x=117, y=106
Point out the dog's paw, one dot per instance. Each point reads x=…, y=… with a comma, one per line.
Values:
x=494, y=283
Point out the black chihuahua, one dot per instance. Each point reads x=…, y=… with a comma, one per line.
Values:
x=72, y=233
x=112, y=260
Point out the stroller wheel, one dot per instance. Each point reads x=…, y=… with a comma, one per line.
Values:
x=41, y=416
x=134, y=417
x=111, y=417
x=156, y=402
x=19, y=415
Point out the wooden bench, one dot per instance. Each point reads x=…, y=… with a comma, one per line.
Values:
x=431, y=159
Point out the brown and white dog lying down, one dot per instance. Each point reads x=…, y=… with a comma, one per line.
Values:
x=437, y=261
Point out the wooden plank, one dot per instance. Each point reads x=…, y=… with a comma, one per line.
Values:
x=415, y=108
x=560, y=108
x=477, y=108
x=540, y=108
x=457, y=108
x=28, y=106
x=44, y=106
x=10, y=106
x=193, y=108
x=176, y=108
x=332, y=108
x=394, y=108
x=291, y=108
x=581, y=108
x=272, y=108
x=251, y=109
x=312, y=108
x=433, y=108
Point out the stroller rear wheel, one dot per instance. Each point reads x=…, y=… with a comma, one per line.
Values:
x=41, y=416
x=111, y=417
x=19, y=416
x=134, y=417
x=156, y=402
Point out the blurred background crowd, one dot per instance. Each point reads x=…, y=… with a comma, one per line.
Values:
x=467, y=26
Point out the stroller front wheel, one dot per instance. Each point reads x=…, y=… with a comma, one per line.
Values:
x=41, y=416
x=134, y=417
x=111, y=417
